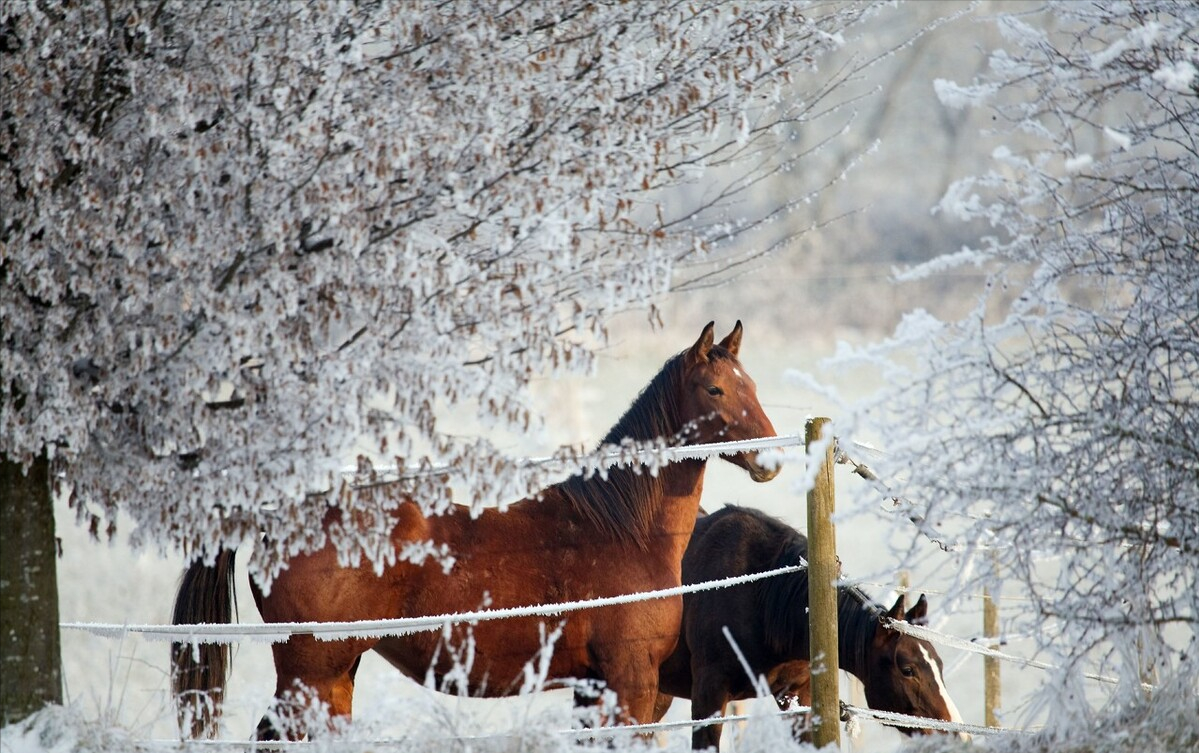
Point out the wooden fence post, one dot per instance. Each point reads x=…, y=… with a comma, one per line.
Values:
x=990, y=663
x=823, y=573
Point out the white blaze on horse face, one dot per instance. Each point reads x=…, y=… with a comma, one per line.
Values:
x=954, y=716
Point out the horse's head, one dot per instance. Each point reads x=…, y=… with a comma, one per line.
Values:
x=906, y=674
x=719, y=402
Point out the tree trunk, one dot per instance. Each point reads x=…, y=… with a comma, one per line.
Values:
x=31, y=664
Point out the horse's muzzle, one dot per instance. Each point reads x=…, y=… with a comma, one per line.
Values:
x=761, y=473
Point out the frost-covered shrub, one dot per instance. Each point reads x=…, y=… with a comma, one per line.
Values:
x=1052, y=434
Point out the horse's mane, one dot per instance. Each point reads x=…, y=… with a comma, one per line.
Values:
x=621, y=506
x=785, y=599
x=857, y=622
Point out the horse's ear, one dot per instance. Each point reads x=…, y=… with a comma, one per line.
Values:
x=699, y=351
x=883, y=633
x=918, y=615
x=732, y=341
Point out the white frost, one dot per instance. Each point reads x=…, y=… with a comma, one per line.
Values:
x=941, y=264
x=960, y=201
x=1122, y=140
x=960, y=97
x=1078, y=162
x=1179, y=77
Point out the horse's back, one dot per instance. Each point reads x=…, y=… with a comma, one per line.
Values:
x=738, y=540
x=316, y=586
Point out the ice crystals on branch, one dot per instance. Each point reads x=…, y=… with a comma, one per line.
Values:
x=280, y=235
x=957, y=97
x=1078, y=162
x=1178, y=77
x=1122, y=140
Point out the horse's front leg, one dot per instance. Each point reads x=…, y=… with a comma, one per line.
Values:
x=632, y=681
x=709, y=696
x=311, y=674
x=638, y=702
x=801, y=721
x=621, y=700
x=589, y=702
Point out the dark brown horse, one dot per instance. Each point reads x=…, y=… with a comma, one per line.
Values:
x=768, y=620
x=586, y=537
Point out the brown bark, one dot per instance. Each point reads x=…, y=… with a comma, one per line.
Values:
x=30, y=655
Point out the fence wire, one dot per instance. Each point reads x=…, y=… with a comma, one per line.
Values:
x=278, y=632
x=943, y=639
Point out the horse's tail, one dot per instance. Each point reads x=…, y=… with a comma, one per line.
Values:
x=199, y=670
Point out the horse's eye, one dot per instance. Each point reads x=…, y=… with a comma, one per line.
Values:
x=715, y=391
x=907, y=670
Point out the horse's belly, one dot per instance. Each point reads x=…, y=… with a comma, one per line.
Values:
x=495, y=655
x=402, y=656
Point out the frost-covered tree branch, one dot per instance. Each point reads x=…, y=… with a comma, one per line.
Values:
x=241, y=237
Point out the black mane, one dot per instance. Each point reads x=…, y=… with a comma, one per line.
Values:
x=621, y=506
x=784, y=601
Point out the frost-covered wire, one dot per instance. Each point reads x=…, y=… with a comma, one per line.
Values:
x=895, y=719
x=331, y=631
x=944, y=639
x=605, y=457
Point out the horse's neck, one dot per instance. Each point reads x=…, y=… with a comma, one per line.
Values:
x=682, y=487
x=673, y=503
x=630, y=504
x=857, y=617
x=682, y=480
x=667, y=505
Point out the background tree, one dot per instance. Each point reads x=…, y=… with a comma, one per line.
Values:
x=1056, y=425
x=240, y=238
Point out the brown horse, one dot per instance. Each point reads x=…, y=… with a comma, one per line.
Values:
x=587, y=537
x=769, y=622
